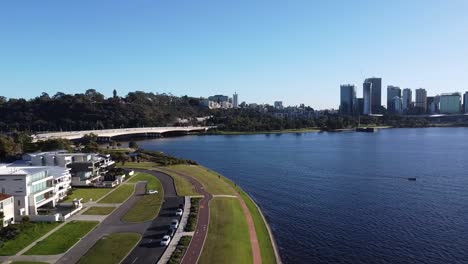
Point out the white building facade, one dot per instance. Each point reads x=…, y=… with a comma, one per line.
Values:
x=7, y=209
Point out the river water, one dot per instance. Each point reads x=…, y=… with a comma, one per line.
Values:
x=346, y=197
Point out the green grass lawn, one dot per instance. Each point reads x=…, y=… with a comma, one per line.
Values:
x=88, y=193
x=264, y=241
x=228, y=238
x=147, y=208
x=213, y=182
x=95, y=210
x=30, y=232
x=64, y=238
x=111, y=249
x=136, y=165
x=183, y=186
x=28, y=262
x=153, y=182
x=119, y=195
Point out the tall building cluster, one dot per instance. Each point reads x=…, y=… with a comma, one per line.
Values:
x=221, y=101
x=398, y=102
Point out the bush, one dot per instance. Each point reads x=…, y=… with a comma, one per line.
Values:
x=26, y=219
x=9, y=232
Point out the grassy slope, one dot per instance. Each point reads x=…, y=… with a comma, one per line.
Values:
x=147, y=208
x=111, y=249
x=29, y=234
x=228, y=238
x=153, y=182
x=87, y=193
x=266, y=247
x=119, y=195
x=95, y=210
x=64, y=238
x=183, y=186
x=213, y=182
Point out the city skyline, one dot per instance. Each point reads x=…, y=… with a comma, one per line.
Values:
x=304, y=48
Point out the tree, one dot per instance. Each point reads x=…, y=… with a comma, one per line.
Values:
x=8, y=147
x=133, y=145
x=114, y=94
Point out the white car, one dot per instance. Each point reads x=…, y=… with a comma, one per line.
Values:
x=152, y=191
x=165, y=240
x=174, y=224
x=179, y=212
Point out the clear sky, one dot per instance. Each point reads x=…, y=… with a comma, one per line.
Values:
x=295, y=51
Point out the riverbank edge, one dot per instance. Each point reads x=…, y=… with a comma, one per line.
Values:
x=265, y=222
x=285, y=131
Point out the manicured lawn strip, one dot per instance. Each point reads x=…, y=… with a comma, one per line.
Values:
x=153, y=182
x=119, y=195
x=88, y=193
x=64, y=238
x=228, y=234
x=30, y=232
x=111, y=249
x=136, y=165
x=28, y=262
x=264, y=241
x=95, y=210
x=183, y=186
x=147, y=208
x=213, y=182
x=179, y=252
x=193, y=215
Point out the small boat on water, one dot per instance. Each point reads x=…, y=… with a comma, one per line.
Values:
x=411, y=179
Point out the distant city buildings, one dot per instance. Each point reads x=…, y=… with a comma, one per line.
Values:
x=348, y=99
x=450, y=103
x=376, y=94
x=367, y=96
x=465, y=103
x=407, y=99
x=397, y=105
x=392, y=92
x=235, y=100
x=278, y=104
x=421, y=101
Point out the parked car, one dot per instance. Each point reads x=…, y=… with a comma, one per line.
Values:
x=174, y=223
x=152, y=191
x=170, y=232
x=179, y=212
x=165, y=240
x=181, y=206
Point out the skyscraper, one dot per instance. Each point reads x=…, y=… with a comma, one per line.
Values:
x=430, y=105
x=235, y=100
x=397, y=105
x=421, y=100
x=450, y=103
x=348, y=99
x=376, y=94
x=392, y=92
x=367, y=94
x=465, y=102
x=407, y=98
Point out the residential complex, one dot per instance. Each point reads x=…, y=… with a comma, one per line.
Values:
x=39, y=181
x=7, y=209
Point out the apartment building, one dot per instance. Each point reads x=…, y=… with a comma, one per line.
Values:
x=7, y=209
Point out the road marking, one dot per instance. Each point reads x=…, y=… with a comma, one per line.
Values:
x=134, y=260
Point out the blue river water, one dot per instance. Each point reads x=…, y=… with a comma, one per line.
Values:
x=346, y=197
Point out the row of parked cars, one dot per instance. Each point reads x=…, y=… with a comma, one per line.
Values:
x=172, y=228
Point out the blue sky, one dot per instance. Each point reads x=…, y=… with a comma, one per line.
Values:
x=295, y=51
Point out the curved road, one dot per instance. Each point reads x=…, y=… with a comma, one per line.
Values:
x=148, y=250
x=195, y=248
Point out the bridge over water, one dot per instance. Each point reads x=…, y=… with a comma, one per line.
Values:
x=108, y=134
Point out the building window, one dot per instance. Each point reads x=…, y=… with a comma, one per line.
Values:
x=19, y=202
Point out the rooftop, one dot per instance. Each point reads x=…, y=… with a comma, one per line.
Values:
x=4, y=196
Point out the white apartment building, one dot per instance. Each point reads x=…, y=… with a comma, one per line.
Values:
x=7, y=209
x=85, y=169
x=31, y=188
